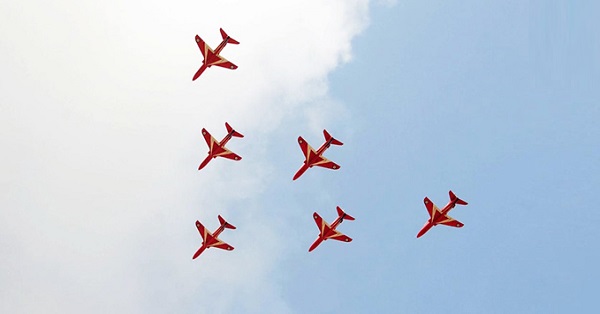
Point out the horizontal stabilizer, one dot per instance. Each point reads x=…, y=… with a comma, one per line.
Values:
x=225, y=223
x=458, y=200
x=329, y=137
x=342, y=214
x=227, y=38
x=231, y=130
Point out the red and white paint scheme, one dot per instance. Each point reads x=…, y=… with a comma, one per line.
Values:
x=210, y=239
x=218, y=149
x=440, y=217
x=315, y=158
x=327, y=231
x=212, y=57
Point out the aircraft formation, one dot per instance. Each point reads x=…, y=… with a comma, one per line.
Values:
x=312, y=158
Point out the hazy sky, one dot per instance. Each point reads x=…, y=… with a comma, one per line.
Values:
x=100, y=134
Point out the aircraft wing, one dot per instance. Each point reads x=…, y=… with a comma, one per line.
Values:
x=326, y=163
x=222, y=245
x=322, y=224
x=228, y=154
x=341, y=237
x=204, y=48
x=433, y=210
x=204, y=233
x=210, y=140
x=449, y=221
x=224, y=63
x=307, y=150
x=211, y=58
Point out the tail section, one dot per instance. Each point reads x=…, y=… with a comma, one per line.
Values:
x=225, y=223
x=231, y=130
x=342, y=214
x=227, y=38
x=458, y=200
x=329, y=137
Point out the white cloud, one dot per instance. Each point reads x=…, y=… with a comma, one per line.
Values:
x=100, y=129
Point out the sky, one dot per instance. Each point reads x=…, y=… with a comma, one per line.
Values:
x=100, y=129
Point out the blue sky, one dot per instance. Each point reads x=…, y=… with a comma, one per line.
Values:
x=496, y=101
x=100, y=123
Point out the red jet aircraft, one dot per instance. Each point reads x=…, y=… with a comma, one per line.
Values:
x=210, y=239
x=329, y=232
x=218, y=149
x=315, y=158
x=437, y=216
x=212, y=57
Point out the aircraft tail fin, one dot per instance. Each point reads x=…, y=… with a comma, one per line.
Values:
x=225, y=223
x=230, y=129
x=458, y=200
x=329, y=137
x=342, y=214
x=227, y=38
